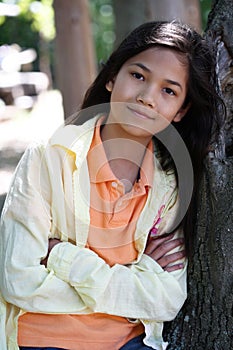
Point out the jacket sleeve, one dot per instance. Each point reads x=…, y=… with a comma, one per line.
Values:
x=142, y=291
x=25, y=230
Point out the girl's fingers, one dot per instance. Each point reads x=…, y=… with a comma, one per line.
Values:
x=157, y=251
x=154, y=243
x=174, y=267
x=166, y=260
x=52, y=242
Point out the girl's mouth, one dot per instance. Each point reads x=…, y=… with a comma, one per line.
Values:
x=141, y=113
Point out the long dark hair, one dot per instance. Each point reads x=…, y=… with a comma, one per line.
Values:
x=197, y=125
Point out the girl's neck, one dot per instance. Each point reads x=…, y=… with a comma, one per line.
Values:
x=124, y=154
x=111, y=131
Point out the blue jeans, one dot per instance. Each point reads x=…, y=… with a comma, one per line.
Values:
x=133, y=344
x=136, y=344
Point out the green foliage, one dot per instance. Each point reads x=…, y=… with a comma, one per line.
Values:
x=37, y=16
x=103, y=23
x=42, y=15
x=18, y=30
x=205, y=9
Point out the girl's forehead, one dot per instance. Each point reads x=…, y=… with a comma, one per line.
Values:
x=160, y=51
x=159, y=57
x=163, y=61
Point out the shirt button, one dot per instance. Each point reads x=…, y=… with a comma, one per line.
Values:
x=114, y=184
x=119, y=204
x=133, y=320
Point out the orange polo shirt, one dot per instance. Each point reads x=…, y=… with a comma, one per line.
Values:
x=113, y=218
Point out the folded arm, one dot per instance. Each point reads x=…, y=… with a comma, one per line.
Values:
x=76, y=280
x=143, y=290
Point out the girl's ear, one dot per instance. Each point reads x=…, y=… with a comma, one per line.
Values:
x=181, y=113
x=109, y=85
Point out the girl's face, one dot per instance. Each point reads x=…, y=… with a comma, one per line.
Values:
x=148, y=93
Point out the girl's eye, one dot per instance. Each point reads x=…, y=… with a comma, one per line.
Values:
x=138, y=76
x=169, y=91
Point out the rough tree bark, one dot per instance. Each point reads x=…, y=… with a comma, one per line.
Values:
x=75, y=58
x=206, y=320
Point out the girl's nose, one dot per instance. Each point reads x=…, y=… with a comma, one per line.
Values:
x=147, y=99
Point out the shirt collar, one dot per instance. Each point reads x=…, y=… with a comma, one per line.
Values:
x=100, y=170
x=147, y=167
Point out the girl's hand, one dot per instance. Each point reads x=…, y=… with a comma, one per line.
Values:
x=52, y=243
x=158, y=248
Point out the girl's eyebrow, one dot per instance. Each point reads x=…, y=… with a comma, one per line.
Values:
x=141, y=65
x=145, y=68
x=172, y=82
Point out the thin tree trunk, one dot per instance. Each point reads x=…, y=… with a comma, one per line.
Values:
x=128, y=15
x=131, y=13
x=75, y=58
x=206, y=320
x=188, y=11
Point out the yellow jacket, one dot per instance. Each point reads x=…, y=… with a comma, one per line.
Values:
x=49, y=197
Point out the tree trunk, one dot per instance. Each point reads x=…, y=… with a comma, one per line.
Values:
x=75, y=58
x=128, y=15
x=206, y=320
x=188, y=11
x=131, y=13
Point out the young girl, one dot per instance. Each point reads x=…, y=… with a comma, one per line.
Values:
x=92, y=233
